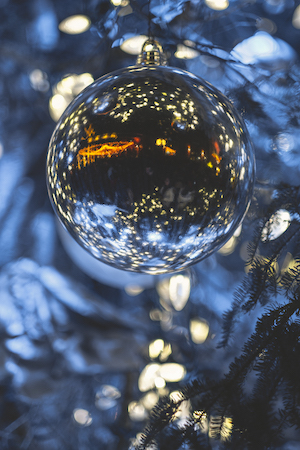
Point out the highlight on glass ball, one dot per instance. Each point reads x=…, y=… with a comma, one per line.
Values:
x=150, y=169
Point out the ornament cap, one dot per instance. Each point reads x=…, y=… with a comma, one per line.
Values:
x=152, y=54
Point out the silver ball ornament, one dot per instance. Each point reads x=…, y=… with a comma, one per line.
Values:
x=150, y=168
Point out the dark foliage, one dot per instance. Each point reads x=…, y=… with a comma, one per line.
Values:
x=223, y=410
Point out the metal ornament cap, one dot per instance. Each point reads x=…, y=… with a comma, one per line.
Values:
x=150, y=168
x=152, y=53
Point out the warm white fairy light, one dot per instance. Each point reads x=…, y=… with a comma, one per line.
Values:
x=75, y=24
x=119, y=2
x=179, y=291
x=133, y=45
x=199, y=329
x=64, y=92
x=184, y=52
x=296, y=18
x=217, y=5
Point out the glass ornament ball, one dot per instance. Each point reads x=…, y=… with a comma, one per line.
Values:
x=150, y=169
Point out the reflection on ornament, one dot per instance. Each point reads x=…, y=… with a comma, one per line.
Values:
x=150, y=168
x=133, y=283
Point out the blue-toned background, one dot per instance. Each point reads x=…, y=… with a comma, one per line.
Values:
x=86, y=352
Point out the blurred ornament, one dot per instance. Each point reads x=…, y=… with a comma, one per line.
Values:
x=150, y=168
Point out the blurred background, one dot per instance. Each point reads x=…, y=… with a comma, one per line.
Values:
x=87, y=350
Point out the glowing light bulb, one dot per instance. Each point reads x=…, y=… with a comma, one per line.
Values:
x=64, y=92
x=217, y=5
x=296, y=18
x=199, y=329
x=184, y=52
x=75, y=24
x=82, y=417
x=179, y=291
x=133, y=45
x=172, y=372
x=120, y=2
x=155, y=348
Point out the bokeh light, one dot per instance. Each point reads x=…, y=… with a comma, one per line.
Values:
x=76, y=24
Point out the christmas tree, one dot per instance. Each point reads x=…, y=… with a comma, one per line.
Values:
x=205, y=358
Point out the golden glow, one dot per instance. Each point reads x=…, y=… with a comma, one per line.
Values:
x=147, y=377
x=120, y=2
x=73, y=84
x=217, y=5
x=159, y=348
x=199, y=329
x=107, y=149
x=95, y=149
x=75, y=24
x=226, y=429
x=169, y=151
x=155, y=375
x=163, y=143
